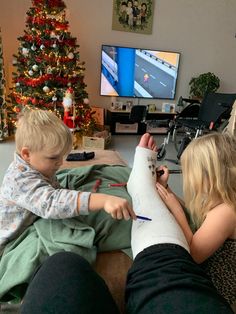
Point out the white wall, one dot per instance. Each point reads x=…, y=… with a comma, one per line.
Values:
x=203, y=31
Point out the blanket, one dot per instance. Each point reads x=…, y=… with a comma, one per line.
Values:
x=85, y=235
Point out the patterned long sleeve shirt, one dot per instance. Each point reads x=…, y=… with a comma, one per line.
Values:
x=26, y=195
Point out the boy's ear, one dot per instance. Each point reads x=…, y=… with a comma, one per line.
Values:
x=25, y=154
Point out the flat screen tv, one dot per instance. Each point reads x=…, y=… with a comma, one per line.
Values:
x=141, y=73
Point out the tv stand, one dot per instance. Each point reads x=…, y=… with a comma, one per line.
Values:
x=119, y=122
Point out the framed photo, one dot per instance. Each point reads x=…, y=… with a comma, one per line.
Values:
x=151, y=107
x=118, y=105
x=133, y=16
x=168, y=108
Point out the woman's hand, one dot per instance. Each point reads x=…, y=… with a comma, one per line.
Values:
x=168, y=198
x=163, y=179
x=172, y=202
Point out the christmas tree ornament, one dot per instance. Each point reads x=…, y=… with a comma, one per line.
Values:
x=42, y=47
x=34, y=101
x=33, y=47
x=17, y=109
x=35, y=67
x=69, y=110
x=60, y=38
x=54, y=98
x=70, y=55
x=86, y=101
x=49, y=70
x=54, y=46
x=68, y=99
x=17, y=84
x=14, y=61
x=25, y=51
x=46, y=89
x=31, y=73
x=53, y=35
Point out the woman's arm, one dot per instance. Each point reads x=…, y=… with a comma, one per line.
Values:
x=216, y=228
x=163, y=180
x=174, y=205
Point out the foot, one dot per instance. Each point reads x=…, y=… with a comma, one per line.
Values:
x=147, y=141
x=144, y=166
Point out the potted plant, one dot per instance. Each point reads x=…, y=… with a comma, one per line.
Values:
x=204, y=83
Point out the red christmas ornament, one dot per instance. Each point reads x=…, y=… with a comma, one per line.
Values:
x=34, y=101
x=17, y=109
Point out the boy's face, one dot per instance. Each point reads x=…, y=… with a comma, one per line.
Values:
x=46, y=163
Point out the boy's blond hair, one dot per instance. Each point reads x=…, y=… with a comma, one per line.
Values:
x=42, y=130
x=209, y=174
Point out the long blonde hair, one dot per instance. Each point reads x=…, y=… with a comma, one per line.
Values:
x=42, y=130
x=209, y=174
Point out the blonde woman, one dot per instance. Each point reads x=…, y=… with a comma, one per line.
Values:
x=209, y=185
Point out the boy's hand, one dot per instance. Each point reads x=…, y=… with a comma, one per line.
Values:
x=118, y=208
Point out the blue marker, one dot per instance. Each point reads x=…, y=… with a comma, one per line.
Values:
x=143, y=218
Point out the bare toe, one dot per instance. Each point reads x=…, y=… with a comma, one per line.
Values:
x=152, y=144
x=144, y=141
x=154, y=147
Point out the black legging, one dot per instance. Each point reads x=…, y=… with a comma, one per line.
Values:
x=66, y=283
x=162, y=280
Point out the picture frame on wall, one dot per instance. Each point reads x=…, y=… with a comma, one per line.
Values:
x=133, y=16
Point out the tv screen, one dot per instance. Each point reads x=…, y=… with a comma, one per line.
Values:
x=141, y=73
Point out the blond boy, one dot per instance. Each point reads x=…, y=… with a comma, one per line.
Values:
x=30, y=189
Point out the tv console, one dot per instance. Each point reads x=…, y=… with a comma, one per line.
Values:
x=156, y=122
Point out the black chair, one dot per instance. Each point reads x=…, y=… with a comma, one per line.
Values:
x=190, y=112
x=215, y=108
x=138, y=114
x=190, y=108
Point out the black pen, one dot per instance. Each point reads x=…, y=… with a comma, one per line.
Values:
x=143, y=218
x=161, y=172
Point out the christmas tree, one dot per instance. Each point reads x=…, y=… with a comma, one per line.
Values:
x=49, y=74
x=3, y=105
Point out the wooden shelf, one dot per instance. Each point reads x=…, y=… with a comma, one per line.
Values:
x=115, y=119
